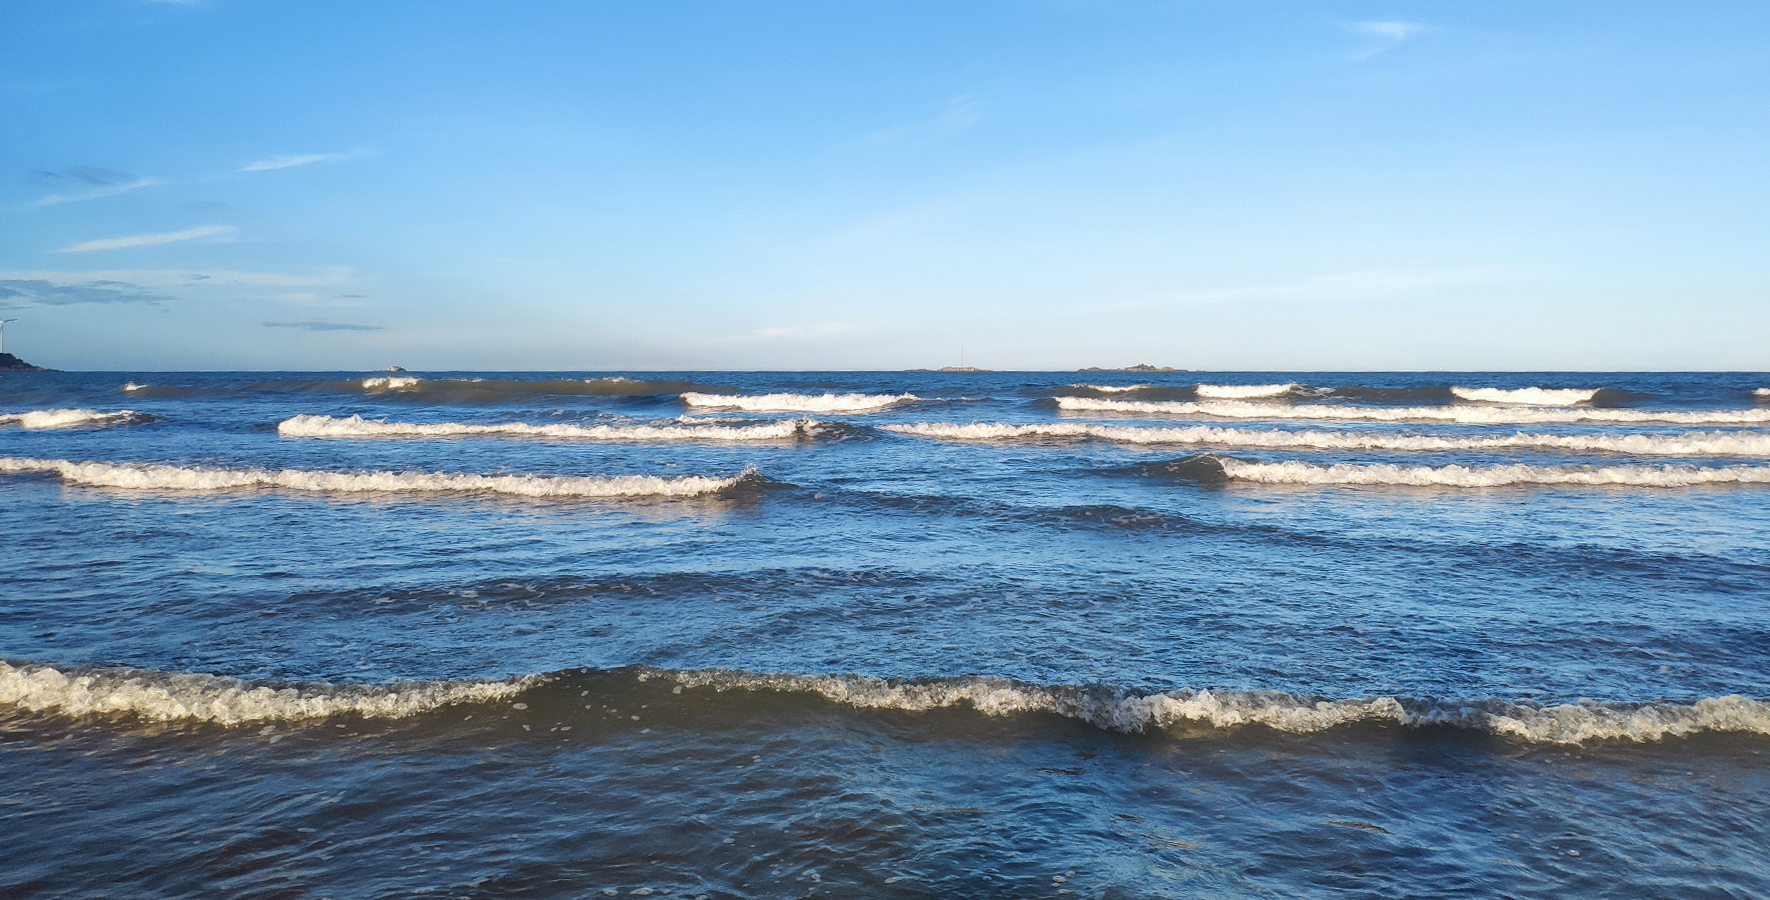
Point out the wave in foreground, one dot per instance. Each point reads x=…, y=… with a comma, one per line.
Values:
x=1216, y=468
x=1470, y=415
x=196, y=697
x=357, y=426
x=149, y=476
x=1697, y=443
x=45, y=419
x=824, y=403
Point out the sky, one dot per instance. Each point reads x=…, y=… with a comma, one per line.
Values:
x=1207, y=184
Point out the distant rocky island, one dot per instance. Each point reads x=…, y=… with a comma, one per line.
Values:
x=10, y=363
x=1140, y=367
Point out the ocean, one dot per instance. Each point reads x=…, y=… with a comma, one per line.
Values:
x=896, y=635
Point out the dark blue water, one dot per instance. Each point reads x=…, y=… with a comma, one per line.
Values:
x=886, y=634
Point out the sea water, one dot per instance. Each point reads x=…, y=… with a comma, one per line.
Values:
x=884, y=635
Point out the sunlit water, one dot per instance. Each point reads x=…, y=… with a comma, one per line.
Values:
x=884, y=634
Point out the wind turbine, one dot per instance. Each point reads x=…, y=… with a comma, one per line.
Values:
x=3, y=332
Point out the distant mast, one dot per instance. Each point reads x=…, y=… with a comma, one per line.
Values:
x=3, y=333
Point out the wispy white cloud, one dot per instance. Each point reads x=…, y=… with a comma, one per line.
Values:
x=217, y=232
x=323, y=276
x=960, y=114
x=289, y=161
x=1385, y=35
x=110, y=190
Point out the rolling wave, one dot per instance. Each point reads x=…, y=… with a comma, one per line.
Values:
x=220, y=700
x=44, y=419
x=1530, y=396
x=1244, y=391
x=357, y=426
x=1697, y=443
x=1215, y=468
x=149, y=476
x=1471, y=415
x=824, y=403
x=195, y=697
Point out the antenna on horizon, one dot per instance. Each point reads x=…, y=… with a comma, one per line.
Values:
x=3, y=333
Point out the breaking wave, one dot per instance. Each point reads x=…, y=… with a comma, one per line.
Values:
x=1121, y=710
x=195, y=697
x=1244, y=391
x=1471, y=415
x=389, y=383
x=150, y=476
x=1762, y=393
x=220, y=700
x=799, y=402
x=357, y=426
x=1210, y=468
x=43, y=419
x=1696, y=443
x=1530, y=396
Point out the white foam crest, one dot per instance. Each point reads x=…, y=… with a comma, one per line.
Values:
x=1469, y=415
x=1761, y=392
x=148, y=476
x=1113, y=388
x=1244, y=391
x=799, y=402
x=1530, y=396
x=1278, y=710
x=1387, y=474
x=357, y=426
x=130, y=387
x=195, y=697
x=43, y=419
x=389, y=383
x=1694, y=443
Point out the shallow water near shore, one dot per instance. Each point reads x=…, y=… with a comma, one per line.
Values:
x=885, y=634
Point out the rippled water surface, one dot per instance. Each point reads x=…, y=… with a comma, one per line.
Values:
x=885, y=634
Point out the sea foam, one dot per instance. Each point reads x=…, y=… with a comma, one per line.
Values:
x=389, y=383
x=149, y=476
x=1386, y=474
x=823, y=403
x=1472, y=415
x=44, y=419
x=1244, y=391
x=196, y=697
x=357, y=426
x=1530, y=396
x=1127, y=711
x=1693, y=443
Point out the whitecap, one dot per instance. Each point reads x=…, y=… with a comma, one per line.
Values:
x=150, y=476
x=1244, y=391
x=1530, y=396
x=1461, y=414
x=357, y=426
x=1691, y=443
x=799, y=402
x=44, y=419
x=1391, y=475
x=389, y=383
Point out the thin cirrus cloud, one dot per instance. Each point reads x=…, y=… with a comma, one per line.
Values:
x=218, y=232
x=1385, y=35
x=42, y=292
x=325, y=326
x=290, y=161
x=99, y=192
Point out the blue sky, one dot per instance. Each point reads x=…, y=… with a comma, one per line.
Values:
x=260, y=184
